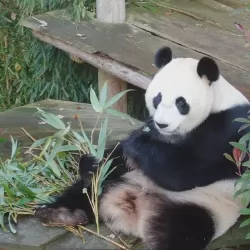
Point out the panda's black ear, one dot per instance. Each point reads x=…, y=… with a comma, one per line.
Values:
x=163, y=56
x=208, y=67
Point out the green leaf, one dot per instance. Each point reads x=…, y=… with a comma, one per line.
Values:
x=104, y=94
x=51, y=119
x=115, y=98
x=102, y=139
x=79, y=137
x=248, y=236
x=244, y=127
x=94, y=101
x=53, y=165
x=2, y=222
x=13, y=147
x=245, y=211
x=104, y=170
x=25, y=190
x=23, y=201
x=38, y=143
x=2, y=139
x=239, y=146
x=55, y=150
x=91, y=148
x=246, y=164
x=2, y=202
x=244, y=138
x=242, y=120
x=119, y=114
x=68, y=148
x=12, y=229
x=229, y=157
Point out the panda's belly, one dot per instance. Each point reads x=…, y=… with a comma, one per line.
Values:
x=217, y=197
x=126, y=206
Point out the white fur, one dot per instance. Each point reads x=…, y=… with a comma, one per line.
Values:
x=217, y=197
x=180, y=78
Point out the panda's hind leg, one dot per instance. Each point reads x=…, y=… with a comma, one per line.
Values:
x=71, y=208
x=178, y=227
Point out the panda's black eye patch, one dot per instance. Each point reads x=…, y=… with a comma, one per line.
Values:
x=182, y=105
x=157, y=100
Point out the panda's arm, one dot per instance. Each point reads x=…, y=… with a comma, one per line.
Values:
x=175, y=168
x=88, y=165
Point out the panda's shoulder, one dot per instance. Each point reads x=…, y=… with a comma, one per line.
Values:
x=221, y=126
x=226, y=118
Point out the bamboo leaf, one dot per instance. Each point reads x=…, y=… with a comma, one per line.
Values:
x=55, y=150
x=104, y=170
x=67, y=148
x=2, y=202
x=38, y=143
x=94, y=101
x=102, y=139
x=79, y=137
x=119, y=114
x=115, y=98
x=12, y=229
x=13, y=147
x=103, y=95
x=90, y=146
x=51, y=119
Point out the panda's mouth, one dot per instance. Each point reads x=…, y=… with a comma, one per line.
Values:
x=168, y=132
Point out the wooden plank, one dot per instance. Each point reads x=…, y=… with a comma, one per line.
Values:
x=31, y=235
x=124, y=43
x=212, y=12
x=12, y=121
x=210, y=40
x=90, y=241
x=112, y=11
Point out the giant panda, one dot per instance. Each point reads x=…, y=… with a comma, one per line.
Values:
x=172, y=186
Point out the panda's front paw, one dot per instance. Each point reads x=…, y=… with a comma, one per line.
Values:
x=88, y=166
x=60, y=216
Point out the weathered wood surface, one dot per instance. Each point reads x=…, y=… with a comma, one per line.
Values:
x=134, y=47
x=13, y=120
x=218, y=13
x=31, y=235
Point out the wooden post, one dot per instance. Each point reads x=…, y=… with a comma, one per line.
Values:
x=112, y=11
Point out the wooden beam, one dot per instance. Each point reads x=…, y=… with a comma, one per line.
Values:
x=112, y=11
x=106, y=64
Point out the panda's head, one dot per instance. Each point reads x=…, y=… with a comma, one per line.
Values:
x=185, y=91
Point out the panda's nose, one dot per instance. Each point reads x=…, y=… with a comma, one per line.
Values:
x=160, y=125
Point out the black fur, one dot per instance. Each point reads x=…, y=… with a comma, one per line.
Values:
x=208, y=67
x=196, y=160
x=163, y=56
x=178, y=227
x=182, y=105
x=67, y=204
x=157, y=100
